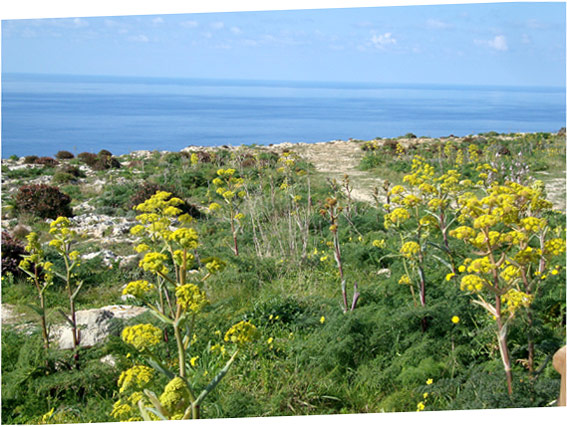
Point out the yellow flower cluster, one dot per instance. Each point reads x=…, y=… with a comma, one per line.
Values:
x=515, y=299
x=485, y=221
x=510, y=273
x=463, y=232
x=555, y=246
x=62, y=234
x=404, y=280
x=175, y=398
x=527, y=256
x=397, y=217
x=154, y=263
x=36, y=257
x=533, y=224
x=190, y=297
x=160, y=213
x=241, y=333
x=472, y=282
x=411, y=200
x=480, y=265
x=135, y=378
x=410, y=249
x=141, y=336
x=138, y=288
x=185, y=237
x=396, y=189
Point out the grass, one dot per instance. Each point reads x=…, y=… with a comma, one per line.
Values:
x=309, y=357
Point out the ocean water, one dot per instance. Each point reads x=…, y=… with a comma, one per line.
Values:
x=44, y=114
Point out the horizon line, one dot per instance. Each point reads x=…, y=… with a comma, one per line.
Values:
x=260, y=81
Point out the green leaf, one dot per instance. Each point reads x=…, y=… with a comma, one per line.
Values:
x=155, y=312
x=62, y=313
x=143, y=411
x=442, y=261
x=214, y=382
x=157, y=409
x=159, y=367
x=36, y=308
x=79, y=286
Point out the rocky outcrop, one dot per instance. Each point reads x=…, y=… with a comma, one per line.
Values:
x=95, y=325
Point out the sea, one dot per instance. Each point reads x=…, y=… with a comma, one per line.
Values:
x=43, y=114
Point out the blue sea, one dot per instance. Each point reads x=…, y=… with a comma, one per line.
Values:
x=42, y=114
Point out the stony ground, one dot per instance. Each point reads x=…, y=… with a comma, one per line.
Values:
x=333, y=159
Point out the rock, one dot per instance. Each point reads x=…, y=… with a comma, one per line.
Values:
x=108, y=257
x=95, y=325
x=109, y=360
x=9, y=314
x=561, y=132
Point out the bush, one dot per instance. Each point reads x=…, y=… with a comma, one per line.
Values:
x=61, y=177
x=73, y=170
x=30, y=159
x=43, y=201
x=68, y=174
x=87, y=158
x=46, y=161
x=105, y=162
x=12, y=251
x=102, y=161
x=62, y=155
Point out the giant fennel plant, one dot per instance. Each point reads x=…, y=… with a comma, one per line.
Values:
x=169, y=245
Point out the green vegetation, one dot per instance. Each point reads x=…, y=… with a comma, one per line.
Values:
x=447, y=293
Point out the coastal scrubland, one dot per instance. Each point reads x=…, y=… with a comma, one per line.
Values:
x=402, y=274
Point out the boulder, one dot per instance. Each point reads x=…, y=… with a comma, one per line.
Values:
x=95, y=325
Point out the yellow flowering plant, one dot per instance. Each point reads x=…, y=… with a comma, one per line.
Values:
x=331, y=210
x=40, y=272
x=298, y=209
x=169, y=249
x=231, y=191
x=63, y=239
x=512, y=243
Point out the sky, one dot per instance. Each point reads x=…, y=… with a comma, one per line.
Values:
x=517, y=44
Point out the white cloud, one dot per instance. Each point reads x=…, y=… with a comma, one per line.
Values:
x=140, y=38
x=158, y=20
x=235, y=30
x=190, y=24
x=498, y=43
x=217, y=25
x=383, y=40
x=436, y=24
x=79, y=23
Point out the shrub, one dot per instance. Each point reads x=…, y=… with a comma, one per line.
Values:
x=12, y=250
x=61, y=177
x=46, y=161
x=14, y=158
x=87, y=158
x=73, y=170
x=30, y=159
x=62, y=155
x=102, y=161
x=43, y=201
x=67, y=174
x=105, y=162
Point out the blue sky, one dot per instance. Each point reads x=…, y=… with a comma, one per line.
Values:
x=520, y=44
